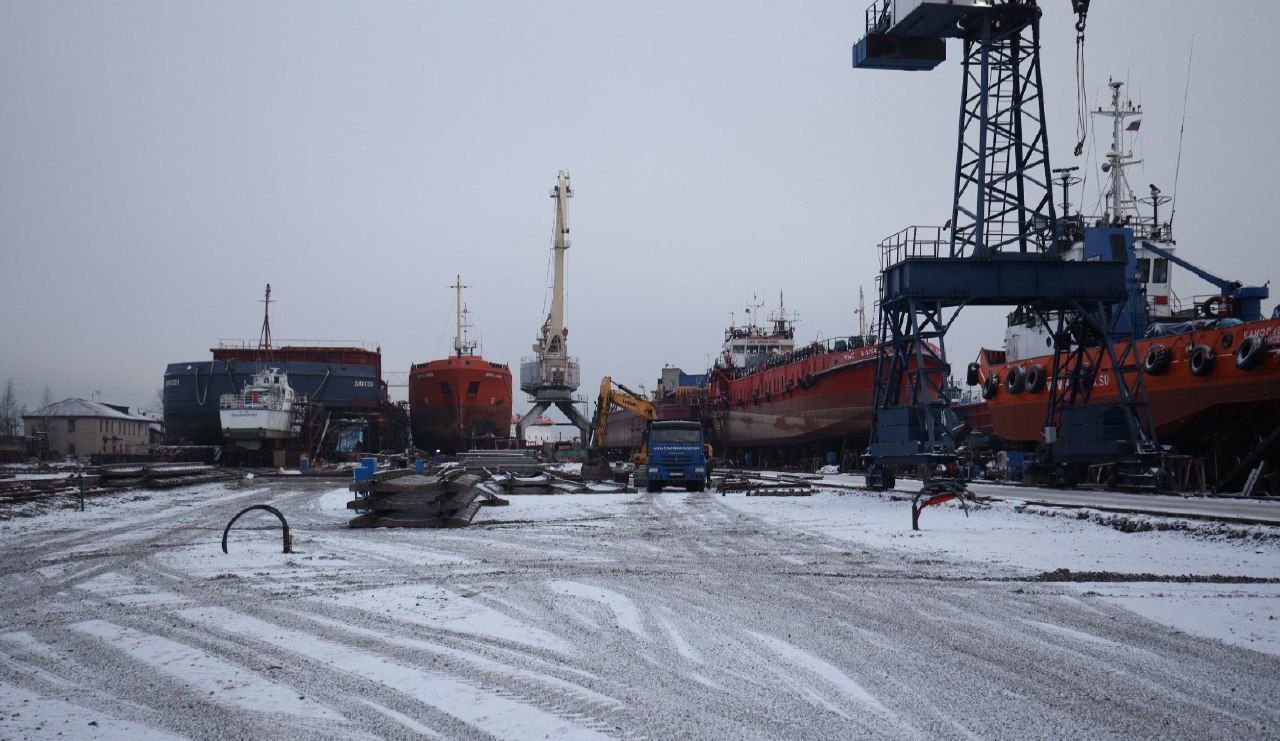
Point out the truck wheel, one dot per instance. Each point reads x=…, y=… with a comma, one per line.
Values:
x=653, y=487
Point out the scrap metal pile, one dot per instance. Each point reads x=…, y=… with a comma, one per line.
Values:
x=755, y=484
x=109, y=479
x=402, y=497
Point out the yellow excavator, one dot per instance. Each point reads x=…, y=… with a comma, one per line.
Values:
x=613, y=393
x=669, y=452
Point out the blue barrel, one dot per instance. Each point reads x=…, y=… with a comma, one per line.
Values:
x=303, y=464
x=420, y=465
x=832, y=457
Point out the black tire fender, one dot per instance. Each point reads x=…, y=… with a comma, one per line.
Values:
x=1157, y=360
x=973, y=376
x=1200, y=360
x=1035, y=378
x=991, y=386
x=1251, y=352
x=1015, y=381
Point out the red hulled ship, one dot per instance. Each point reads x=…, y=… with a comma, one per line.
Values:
x=1210, y=364
x=460, y=402
x=782, y=402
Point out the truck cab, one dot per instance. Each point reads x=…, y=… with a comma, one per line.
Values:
x=676, y=453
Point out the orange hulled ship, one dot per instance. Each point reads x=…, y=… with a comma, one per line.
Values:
x=1211, y=364
x=462, y=401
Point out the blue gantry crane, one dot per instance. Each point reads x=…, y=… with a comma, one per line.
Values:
x=1002, y=247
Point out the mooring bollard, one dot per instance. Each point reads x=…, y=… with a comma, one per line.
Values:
x=288, y=539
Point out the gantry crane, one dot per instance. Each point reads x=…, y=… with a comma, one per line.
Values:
x=1001, y=247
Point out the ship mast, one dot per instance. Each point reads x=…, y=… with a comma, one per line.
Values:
x=264, y=337
x=1117, y=159
x=862, y=313
x=459, y=344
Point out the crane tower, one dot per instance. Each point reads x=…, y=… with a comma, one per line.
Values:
x=1001, y=247
x=551, y=375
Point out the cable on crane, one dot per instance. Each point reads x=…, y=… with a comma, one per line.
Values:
x=1081, y=8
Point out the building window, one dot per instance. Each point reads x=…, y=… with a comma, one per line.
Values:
x=1160, y=271
x=71, y=425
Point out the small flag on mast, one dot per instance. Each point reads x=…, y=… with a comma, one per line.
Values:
x=1134, y=126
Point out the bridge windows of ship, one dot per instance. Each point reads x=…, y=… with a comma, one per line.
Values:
x=446, y=390
x=473, y=388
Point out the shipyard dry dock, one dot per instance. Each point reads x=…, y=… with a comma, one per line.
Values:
x=623, y=615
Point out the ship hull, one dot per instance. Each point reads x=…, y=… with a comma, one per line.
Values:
x=249, y=425
x=459, y=403
x=827, y=396
x=341, y=383
x=1183, y=406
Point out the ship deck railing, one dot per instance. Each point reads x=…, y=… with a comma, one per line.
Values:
x=246, y=344
x=242, y=401
x=812, y=349
x=1144, y=227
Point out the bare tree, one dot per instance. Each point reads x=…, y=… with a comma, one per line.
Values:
x=46, y=398
x=10, y=414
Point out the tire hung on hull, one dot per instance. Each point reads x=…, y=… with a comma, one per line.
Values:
x=1157, y=360
x=1015, y=382
x=1250, y=353
x=991, y=386
x=1035, y=378
x=1200, y=360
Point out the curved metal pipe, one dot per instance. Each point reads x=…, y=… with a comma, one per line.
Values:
x=288, y=539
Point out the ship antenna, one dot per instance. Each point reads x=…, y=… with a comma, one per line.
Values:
x=264, y=338
x=1067, y=179
x=1182, y=129
x=862, y=314
x=457, y=337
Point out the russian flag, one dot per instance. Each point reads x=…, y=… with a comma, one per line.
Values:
x=1134, y=126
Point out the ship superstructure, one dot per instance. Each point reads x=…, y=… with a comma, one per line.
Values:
x=266, y=409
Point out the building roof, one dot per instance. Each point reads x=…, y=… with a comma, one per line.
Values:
x=84, y=408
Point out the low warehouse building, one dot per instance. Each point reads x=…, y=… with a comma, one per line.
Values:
x=80, y=427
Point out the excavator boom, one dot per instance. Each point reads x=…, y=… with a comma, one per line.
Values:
x=615, y=394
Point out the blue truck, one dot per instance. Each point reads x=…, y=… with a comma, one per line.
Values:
x=676, y=453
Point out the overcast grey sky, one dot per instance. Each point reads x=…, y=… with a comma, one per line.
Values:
x=161, y=161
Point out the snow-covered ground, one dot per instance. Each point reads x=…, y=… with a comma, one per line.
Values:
x=672, y=614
